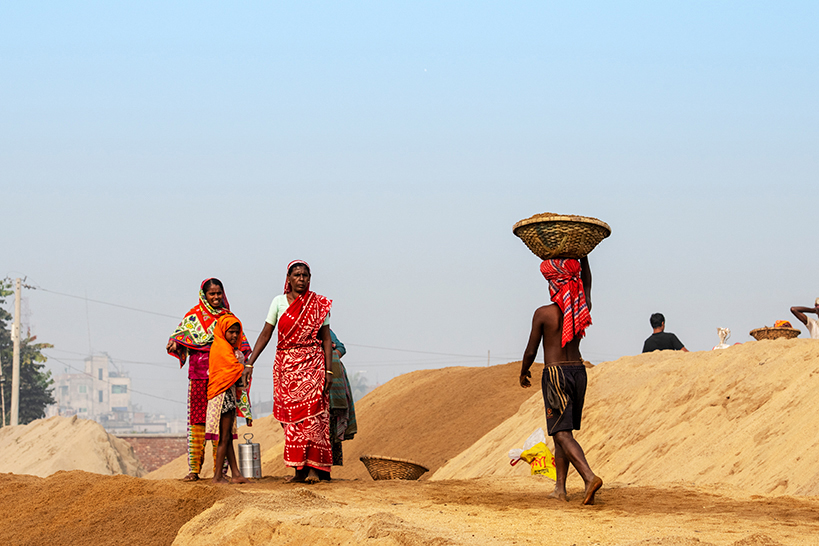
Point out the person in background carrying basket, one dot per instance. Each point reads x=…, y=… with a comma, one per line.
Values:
x=810, y=322
x=560, y=326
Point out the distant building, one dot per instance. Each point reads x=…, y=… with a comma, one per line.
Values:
x=103, y=394
x=99, y=392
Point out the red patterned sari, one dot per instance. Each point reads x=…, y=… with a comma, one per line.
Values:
x=298, y=381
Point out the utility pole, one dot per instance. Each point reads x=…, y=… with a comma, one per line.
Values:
x=15, y=363
x=3, y=394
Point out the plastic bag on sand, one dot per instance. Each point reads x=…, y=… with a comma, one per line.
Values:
x=724, y=334
x=537, y=454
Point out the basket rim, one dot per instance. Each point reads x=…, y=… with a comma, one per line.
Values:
x=394, y=459
x=778, y=329
x=554, y=217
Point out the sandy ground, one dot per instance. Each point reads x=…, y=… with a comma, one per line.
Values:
x=709, y=448
x=46, y=446
x=88, y=509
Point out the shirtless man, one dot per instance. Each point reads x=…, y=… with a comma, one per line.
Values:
x=810, y=322
x=560, y=326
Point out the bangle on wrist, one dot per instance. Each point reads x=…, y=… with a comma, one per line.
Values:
x=248, y=366
x=329, y=371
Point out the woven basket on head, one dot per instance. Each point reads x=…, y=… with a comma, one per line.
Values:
x=773, y=333
x=551, y=235
x=390, y=468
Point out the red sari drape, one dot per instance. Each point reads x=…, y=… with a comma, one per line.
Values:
x=298, y=381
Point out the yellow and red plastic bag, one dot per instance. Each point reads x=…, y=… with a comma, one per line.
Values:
x=537, y=454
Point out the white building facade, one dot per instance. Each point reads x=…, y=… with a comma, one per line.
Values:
x=102, y=393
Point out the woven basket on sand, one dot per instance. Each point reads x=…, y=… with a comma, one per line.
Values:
x=773, y=333
x=551, y=235
x=390, y=468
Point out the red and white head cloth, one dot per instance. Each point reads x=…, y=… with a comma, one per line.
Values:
x=287, y=287
x=566, y=290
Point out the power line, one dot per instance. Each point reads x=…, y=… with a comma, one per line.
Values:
x=87, y=299
x=117, y=360
x=246, y=329
x=103, y=302
x=394, y=349
x=414, y=351
x=69, y=352
x=108, y=382
x=473, y=363
x=380, y=362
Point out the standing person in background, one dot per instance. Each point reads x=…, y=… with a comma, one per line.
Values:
x=661, y=340
x=343, y=424
x=810, y=322
x=191, y=342
x=560, y=327
x=301, y=372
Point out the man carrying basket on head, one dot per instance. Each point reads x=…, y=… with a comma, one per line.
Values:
x=810, y=322
x=560, y=326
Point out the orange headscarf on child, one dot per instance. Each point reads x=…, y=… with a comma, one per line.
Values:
x=224, y=368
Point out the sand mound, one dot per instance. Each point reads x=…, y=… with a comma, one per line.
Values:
x=427, y=416
x=719, y=425
x=298, y=517
x=46, y=446
x=742, y=416
x=81, y=509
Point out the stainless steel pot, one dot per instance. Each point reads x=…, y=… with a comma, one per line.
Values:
x=250, y=458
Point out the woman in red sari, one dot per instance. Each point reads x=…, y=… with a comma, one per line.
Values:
x=301, y=372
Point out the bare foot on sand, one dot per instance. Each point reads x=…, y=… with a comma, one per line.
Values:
x=591, y=489
x=559, y=495
x=312, y=477
x=191, y=477
x=239, y=479
x=219, y=478
x=298, y=477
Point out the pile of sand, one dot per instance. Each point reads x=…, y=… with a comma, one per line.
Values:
x=691, y=446
x=427, y=416
x=741, y=416
x=82, y=509
x=46, y=446
x=431, y=416
x=303, y=516
x=744, y=416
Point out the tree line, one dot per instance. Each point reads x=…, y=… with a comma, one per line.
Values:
x=36, y=384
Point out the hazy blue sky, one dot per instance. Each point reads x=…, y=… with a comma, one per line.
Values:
x=147, y=146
